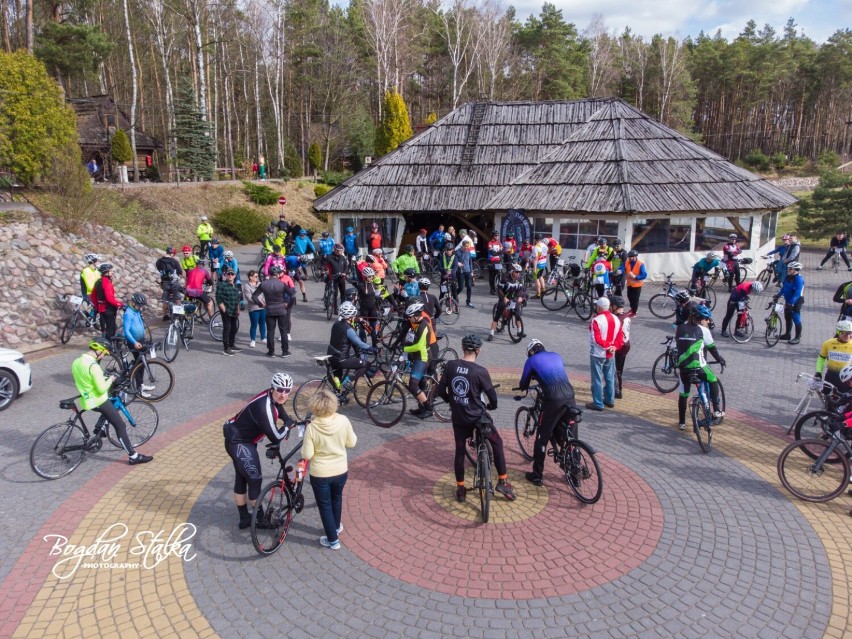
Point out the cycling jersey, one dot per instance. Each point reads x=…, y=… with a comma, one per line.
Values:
x=792, y=288
x=495, y=248
x=704, y=266
x=833, y=357
x=691, y=340
x=217, y=256
x=463, y=385
x=258, y=418
x=512, y=289
x=204, y=231
x=421, y=244
x=276, y=259
x=188, y=262
x=605, y=252
x=168, y=268
x=375, y=240
x=404, y=262
x=326, y=246
x=303, y=245
x=417, y=342
x=134, y=326
x=350, y=243
x=343, y=337
x=90, y=381
x=195, y=281
x=103, y=295
x=549, y=370
x=88, y=277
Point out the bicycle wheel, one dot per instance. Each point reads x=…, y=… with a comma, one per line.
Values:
x=710, y=295
x=49, y=455
x=158, y=380
x=526, y=430
x=809, y=479
x=215, y=326
x=386, y=403
x=662, y=305
x=449, y=311
x=515, y=327
x=328, y=303
x=764, y=277
x=364, y=384
x=819, y=425
x=68, y=328
x=665, y=374
x=171, y=343
x=583, y=306
x=702, y=420
x=582, y=471
x=746, y=332
x=483, y=485
x=196, y=250
x=476, y=270
x=555, y=298
x=271, y=518
x=447, y=354
x=440, y=407
x=302, y=396
x=141, y=420
x=773, y=330
x=316, y=271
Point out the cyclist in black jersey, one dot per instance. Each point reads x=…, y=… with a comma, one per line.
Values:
x=467, y=387
x=245, y=429
x=511, y=290
x=430, y=303
x=343, y=338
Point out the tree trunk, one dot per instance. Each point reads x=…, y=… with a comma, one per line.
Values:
x=133, y=76
x=29, y=26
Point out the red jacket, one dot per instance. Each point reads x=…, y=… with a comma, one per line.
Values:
x=604, y=331
x=103, y=295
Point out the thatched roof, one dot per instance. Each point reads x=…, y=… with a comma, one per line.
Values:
x=593, y=156
x=92, y=124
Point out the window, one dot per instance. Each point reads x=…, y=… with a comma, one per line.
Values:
x=661, y=236
x=768, y=227
x=712, y=232
x=542, y=227
x=578, y=234
x=363, y=226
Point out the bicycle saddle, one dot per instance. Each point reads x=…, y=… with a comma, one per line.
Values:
x=668, y=339
x=322, y=360
x=68, y=403
x=189, y=308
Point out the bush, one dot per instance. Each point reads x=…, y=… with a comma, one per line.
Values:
x=779, y=161
x=121, y=150
x=333, y=178
x=153, y=174
x=292, y=161
x=241, y=223
x=260, y=194
x=756, y=159
x=315, y=156
x=322, y=189
x=69, y=190
x=828, y=160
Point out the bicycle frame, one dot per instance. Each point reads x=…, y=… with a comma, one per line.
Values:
x=812, y=392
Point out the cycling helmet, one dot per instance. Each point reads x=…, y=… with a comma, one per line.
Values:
x=617, y=242
x=410, y=272
x=368, y=272
x=203, y=218
x=471, y=342
x=785, y=236
x=617, y=301
x=201, y=262
x=632, y=253
x=424, y=282
x=347, y=311
x=215, y=240
x=303, y=232
x=378, y=251
x=170, y=250
x=535, y=346
x=413, y=309
x=229, y=255
x=712, y=255
x=187, y=249
x=349, y=229
x=732, y=236
x=510, y=235
x=843, y=326
x=682, y=297
x=351, y=294
x=423, y=231
x=139, y=300
x=407, y=248
x=701, y=312
x=106, y=267
x=601, y=241
x=495, y=233
x=756, y=288
x=795, y=265
x=448, y=246
x=275, y=269
x=99, y=344
x=448, y=237
x=846, y=373
x=91, y=258
x=276, y=248
x=282, y=381
x=325, y=233
x=517, y=268
x=338, y=247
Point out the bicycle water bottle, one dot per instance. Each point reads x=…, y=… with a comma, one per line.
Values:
x=300, y=470
x=336, y=380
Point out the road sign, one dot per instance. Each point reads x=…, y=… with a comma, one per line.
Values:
x=282, y=200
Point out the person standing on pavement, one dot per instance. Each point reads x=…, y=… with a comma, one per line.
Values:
x=257, y=313
x=228, y=301
x=792, y=291
x=271, y=296
x=350, y=242
x=839, y=243
x=375, y=240
x=216, y=255
x=617, y=305
x=326, y=439
x=738, y=295
x=105, y=302
x=635, y=272
x=495, y=261
x=465, y=270
x=835, y=354
x=604, y=331
x=204, y=232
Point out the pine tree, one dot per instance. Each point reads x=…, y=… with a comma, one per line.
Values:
x=193, y=134
x=315, y=156
x=830, y=208
x=121, y=151
x=395, y=127
x=292, y=161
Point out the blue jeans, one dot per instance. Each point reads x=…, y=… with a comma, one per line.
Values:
x=603, y=380
x=328, y=493
x=257, y=317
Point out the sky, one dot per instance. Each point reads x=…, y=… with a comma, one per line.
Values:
x=817, y=19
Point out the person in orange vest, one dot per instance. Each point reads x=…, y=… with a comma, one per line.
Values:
x=635, y=274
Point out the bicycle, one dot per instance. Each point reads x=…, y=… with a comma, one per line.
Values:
x=741, y=264
x=510, y=321
x=279, y=500
x=701, y=410
x=773, y=323
x=704, y=289
x=83, y=311
x=816, y=388
x=744, y=323
x=61, y=448
x=663, y=305
x=387, y=399
x=215, y=325
x=150, y=378
x=769, y=273
x=181, y=329
x=329, y=296
x=360, y=390
x=664, y=372
x=575, y=458
x=449, y=302
x=482, y=482
x=814, y=469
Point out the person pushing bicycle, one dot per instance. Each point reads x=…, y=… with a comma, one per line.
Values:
x=557, y=393
x=466, y=385
x=692, y=339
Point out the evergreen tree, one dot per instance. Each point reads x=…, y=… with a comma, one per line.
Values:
x=830, y=208
x=395, y=127
x=193, y=134
x=121, y=151
x=292, y=161
x=314, y=156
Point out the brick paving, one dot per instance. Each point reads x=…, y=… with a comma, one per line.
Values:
x=711, y=545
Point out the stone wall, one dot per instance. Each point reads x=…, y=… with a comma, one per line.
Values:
x=40, y=264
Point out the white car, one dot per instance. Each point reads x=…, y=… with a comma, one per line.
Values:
x=15, y=376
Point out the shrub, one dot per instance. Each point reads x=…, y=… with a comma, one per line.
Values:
x=334, y=178
x=779, y=161
x=828, y=160
x=121, y=149
x=292, y=161
x=315, y=156
x=260, y=194
x=69, y=189
x=756, y=159
x=241, y=223
x=153, y=174
x=322, y=189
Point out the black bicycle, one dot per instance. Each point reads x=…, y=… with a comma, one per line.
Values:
x=482, y=481
x=510, y=320
x=180, y=331
x=147, y=376
x=82, y=313
x=816, y=469
x=664, y=372
x=663, y=305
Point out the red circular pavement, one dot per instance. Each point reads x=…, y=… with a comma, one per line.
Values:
x=398, y=522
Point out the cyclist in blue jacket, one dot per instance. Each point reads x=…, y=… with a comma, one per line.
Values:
x=216, y=254
x=326, y=244
x=134, y=332
x=350, y=242
x=792, y=291
x=302, y=244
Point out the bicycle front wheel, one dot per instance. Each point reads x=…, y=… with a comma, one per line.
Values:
x=515, y=327
x=809, y=479
x=665, y=374
x=141, y=420
x=743, y=331
x=555, y=298
x=449, y=311
x=386, y=403
x=316, y=271
x=708, y=294
x=58, y=451
x=440, y=408
x=215, y=326
x=526, y=431
x=171, y=343
x=702, y=421
x=773, y=330
x=364, y=384
x=157, y=380
x=764, y=276
x=68, y=328
x=662, y=305
x=271, y=519
x=583, y=306
x=303, y=395
x=483, y=466
x=328, y=301
x=819, y=425
x=582, y=471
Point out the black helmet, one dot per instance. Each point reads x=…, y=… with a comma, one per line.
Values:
x=325, y=233
x=617, y=300
x=407, y=248
x=410, y=272
x=275, y=269
x=351, y=294
x=139, y=300
x=106, y=267
x=510, y=235
x=632, y=253
x=682, y=296
x=601, y=241
x=617, y=242
x=448, y=245
x=471, y=342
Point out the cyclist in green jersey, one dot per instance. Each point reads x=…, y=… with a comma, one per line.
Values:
x=692, y=338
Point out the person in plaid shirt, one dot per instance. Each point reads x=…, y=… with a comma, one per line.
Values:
x=228, y=301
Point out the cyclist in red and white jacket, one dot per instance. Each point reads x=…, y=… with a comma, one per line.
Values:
x=604, y=339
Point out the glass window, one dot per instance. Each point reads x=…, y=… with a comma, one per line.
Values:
x=568, y=234
x=363, y=227
x=661, y=236
x=578, y=234
x=711, y=233
x=542, y=227
x=768, y=227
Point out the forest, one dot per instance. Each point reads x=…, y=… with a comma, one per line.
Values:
x=303, y=82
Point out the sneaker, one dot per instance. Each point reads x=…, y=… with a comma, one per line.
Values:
x=490, y=338
x=234, y=349
x=469, y=305
x=819, y=268
x=681, y=426
x=425, y=414
x=719, y=414
x=849, y=269
x=285, y=354
x=148, y=387
x=334, y=545
x=139, y=459
x=505, y=488
x=416, y=411
x=725, y=334
x=794, y=341
x=251, y=344
x=227, y=352
x=593, y=406
x=618, y=395
x=270, y=353
x=739, y=333
x=245, y=523
x=522, y=335
x=534, y=479
x=609, y=405
x=145, y=394
x=340, y=529
x=784, y=337
x=461, y=494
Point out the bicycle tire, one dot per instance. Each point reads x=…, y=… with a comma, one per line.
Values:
x=803, y=406
x=196, y=250
x=447, y=354
x=773, y=330
x=799, y=474
x=709, y=295
x=158, y=375
x=362, y=386
x=483, y=484
x=475, y=270
x=449, y=311
x=665, y=382
x=582, y=471
x=141, y=426
x=440, y=407
x=817, y=424
x=662, y=305
x=188, y=332
x=386, y=403
x=555, y=298
x=583, y=306
x=515, y=328
x=316, y=271
x=46, y=461
x=764, y=277
x=526, y=431
x=743, y=271
x=747, y=331
x=215, y=326
x=171, y=343
x=702, y=420
x=274, y=502
x=68, y=328
x=302, y=396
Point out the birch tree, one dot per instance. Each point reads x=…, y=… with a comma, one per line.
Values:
x=459, y=30
x=601, y=57
x=135, y=81
x=495, y=37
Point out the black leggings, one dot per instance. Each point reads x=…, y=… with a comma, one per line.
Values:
x=246, y=464
x=357, y=364
x=462, y=434
x=842, y=253
x=114, y=417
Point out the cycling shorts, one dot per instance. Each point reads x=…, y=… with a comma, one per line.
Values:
x=702, y=372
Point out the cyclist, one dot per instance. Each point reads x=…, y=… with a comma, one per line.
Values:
x=170, y=273
x=275, y=296
x=267, y=242
x=600, y=250
x=693, y=339
x=216, y=255
x=510, y=249
x=133, y=328
x=618, y=264
x=412, y=282
x=375, y=237
x=283, y=224
x=292, y=268
x=350, y=242
x=554, y=251
x=89, y=274
x=701, y=269
x=509, y=290
x=779, y=264
x=495, y=261
x=405, y=261
x=104, y=299
x=242, y=432
x=368, y=294
x=416, y=342
x=601, y=279
x=739, y=294
x=792, y=291
x=557, y=396
x=228, y=301
x=276, y=257
x=835, y=354
x=464, y=273
x=94, y=394
x=196, y=278
x=230, y=262
x=839, y=243
x=204, y=233
x=636, y=274
x=378, y=262
x=465, y=385
x=730, y=252
x=343, y=338
x=539, y=263
x=336, y=267
x=421, y=245
x=326, y=244
x=436, y=240
x=188, y=261
x=303, y=245
x=430, y=303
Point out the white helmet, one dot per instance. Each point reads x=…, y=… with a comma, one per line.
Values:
x=347, y=311
x=203, y=218
x=368, y=272
x=229, y=255
x=533, y=343
x=795, y=265
x=91, y=258
x=424, y=282
x=712, y=255
x=282, y=381
x=846, y=373
x=756, y=288
x=843, y=326
x=413, y=309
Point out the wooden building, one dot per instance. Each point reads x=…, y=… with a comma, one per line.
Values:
x=576, y=170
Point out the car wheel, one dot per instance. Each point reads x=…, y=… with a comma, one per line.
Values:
x=8, y=389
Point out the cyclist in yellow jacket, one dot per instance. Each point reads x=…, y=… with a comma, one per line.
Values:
x=204, y=233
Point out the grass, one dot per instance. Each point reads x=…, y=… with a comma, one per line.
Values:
x=788, y=222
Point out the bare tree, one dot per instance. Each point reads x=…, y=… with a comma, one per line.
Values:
x=29, y=27
x=387, y=23
x=460, y=28
x=601, y=57
x=672, y=66
x=634, y=60
x=135, y=80
x=495, y=36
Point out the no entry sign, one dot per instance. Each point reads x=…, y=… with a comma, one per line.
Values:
x=282, y=200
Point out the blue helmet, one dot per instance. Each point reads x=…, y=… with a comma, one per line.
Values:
x=349, y=229
x=700, y=311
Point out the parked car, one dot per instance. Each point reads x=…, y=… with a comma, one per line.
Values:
x=15, y=376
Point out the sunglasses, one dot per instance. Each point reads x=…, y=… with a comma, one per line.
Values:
x=281, y=391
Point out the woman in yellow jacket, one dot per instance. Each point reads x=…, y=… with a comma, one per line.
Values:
x=326, y=439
